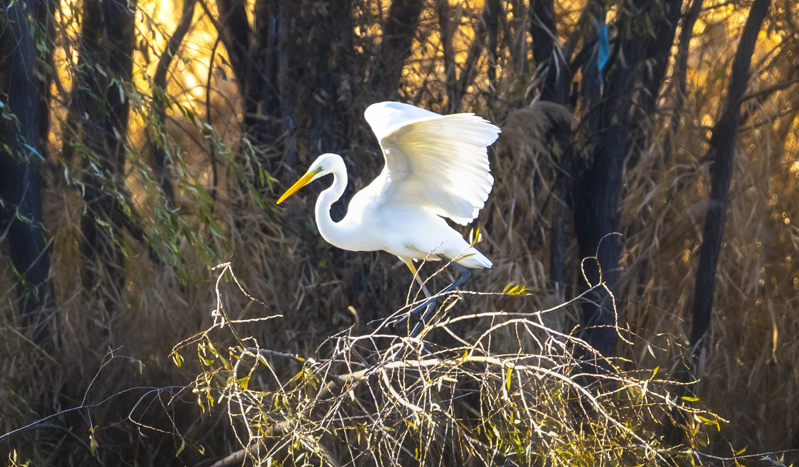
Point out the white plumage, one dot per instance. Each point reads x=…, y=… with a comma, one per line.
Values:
x=436, y=166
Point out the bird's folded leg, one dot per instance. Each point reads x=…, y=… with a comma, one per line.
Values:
x=465, y=275
x=402, y=318
x=430, y=304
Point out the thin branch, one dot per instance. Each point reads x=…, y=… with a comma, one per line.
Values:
x=767, y=91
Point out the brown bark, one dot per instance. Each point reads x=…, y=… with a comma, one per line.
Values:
x=546, y=50
x=236, y=33
x=722, y=150
x=544, y=32
x=515, y=35
x=680, y=71
x=492, y=11
x=657, y=56
x=107, y=41
x=595, y=192
x=446, y=32
x=20, y=189
x=469, y=70
x=398, y=33
x=159, y=93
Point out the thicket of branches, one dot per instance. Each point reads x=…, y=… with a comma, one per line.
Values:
x=144, y=143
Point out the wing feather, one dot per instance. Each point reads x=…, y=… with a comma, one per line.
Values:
x=440, y=159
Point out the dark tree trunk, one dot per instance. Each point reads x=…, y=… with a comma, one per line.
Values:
x=92, y=151
x=645, y=113
x=285, y=83
x=515, y=32
x=546, y=50
x=595, y=193
x=657, y=55
x=491, y=16
x=680, y=70
x=329, y=47
x=544, y=32
x=469, y=70
x=446, y=31
x=259, y=56
x=236, y=33
x=121, y=34
x=398, y=32
x=159, y=103
x=558, y=241
x=266, y=68
x=19, y=173
x=722, y=151
x=107, y=42
x=45, y=16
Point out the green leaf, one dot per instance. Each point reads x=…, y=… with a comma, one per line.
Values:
x=180, y=449
x=216, y=229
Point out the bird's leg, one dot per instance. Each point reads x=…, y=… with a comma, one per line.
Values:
x=430, y=303
x=418, y=278
x=465, y=275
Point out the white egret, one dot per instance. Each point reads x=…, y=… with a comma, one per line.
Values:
x=436, y=167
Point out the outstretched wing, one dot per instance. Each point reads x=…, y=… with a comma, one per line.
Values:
x=440, y=160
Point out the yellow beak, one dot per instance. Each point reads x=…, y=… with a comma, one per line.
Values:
x=306, y=179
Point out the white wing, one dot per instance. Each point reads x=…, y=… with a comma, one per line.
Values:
x=440, y=160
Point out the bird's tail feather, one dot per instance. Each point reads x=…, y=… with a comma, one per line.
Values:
x=473, y=259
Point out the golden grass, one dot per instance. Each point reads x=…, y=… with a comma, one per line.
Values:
x=749, y=372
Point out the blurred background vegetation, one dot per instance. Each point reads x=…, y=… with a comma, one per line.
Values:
x=145, y=142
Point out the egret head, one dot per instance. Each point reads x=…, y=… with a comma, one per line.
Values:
x=323, y=165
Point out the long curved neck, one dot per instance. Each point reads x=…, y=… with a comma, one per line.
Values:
x=331, y=231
